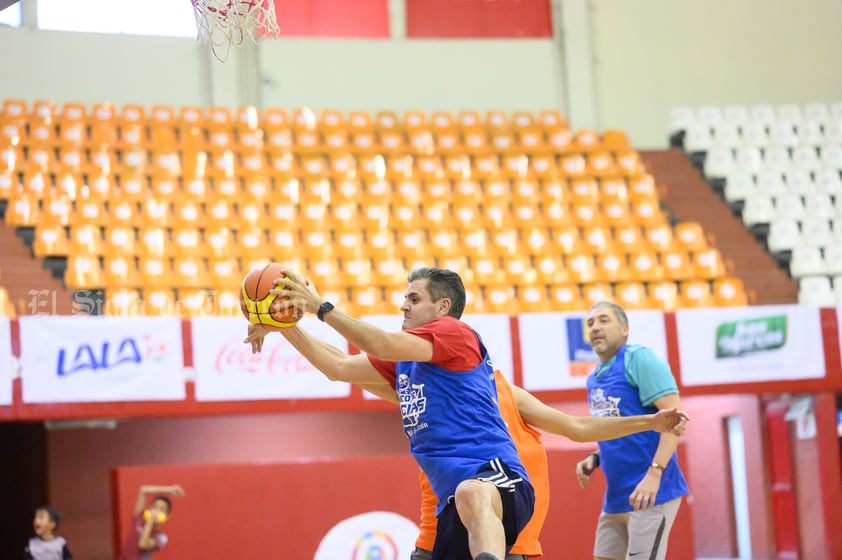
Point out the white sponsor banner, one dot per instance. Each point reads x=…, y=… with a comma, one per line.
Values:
x=494, y=329
x=226, y=369
x=555, y=352
x=6, y=362
x=101, y=359
x=749, y=344
x=496, y=333
x=383, y=535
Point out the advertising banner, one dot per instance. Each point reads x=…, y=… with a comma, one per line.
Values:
x=749, y=344
x=226, y=369
x=6, y=362
x=101, y=359
x=556, y=354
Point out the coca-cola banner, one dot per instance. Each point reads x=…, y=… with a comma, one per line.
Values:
x=556, y=354
x=6, y=362
x=226, y=369
x=101, y=359
x=729, y=345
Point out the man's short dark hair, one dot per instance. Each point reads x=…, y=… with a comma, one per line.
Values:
x=52, y=513
x=165, y=500
x=441, y=284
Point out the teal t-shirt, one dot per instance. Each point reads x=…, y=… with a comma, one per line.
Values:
x=658, y=380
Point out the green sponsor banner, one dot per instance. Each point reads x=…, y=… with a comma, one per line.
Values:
x=736, y=338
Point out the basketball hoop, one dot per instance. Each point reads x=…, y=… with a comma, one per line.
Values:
x=227, y=23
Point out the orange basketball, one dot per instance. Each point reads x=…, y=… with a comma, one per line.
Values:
x=262, y=308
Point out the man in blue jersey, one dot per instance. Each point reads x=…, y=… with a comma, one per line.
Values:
x=644, y=483
x=445, y=383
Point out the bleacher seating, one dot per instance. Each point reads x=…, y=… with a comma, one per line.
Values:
x=166, y=208
x=781, y=170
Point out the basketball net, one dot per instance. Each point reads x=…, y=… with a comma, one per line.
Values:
x=227, y=23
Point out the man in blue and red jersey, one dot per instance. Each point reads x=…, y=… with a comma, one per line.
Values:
x=445, y=383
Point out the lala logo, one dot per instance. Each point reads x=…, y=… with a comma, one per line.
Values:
x=235, y=357
x=109, y=355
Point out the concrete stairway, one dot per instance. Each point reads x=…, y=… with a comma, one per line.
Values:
x=32, y=289
x=684, y=190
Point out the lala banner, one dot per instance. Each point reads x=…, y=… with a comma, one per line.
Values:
x=6, y=362
x=101, y=359
x=226, y=369
x=494, y=329
x=556, y=354
x=749, y=344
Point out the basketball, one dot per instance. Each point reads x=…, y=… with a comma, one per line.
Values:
x=262, y=308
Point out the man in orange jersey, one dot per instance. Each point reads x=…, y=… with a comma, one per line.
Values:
x=521, y=411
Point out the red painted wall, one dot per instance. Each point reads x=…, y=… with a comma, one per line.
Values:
x=80, y=464
x=333, y=18
x=478, y=18
x=709, y=469
x=297, y=503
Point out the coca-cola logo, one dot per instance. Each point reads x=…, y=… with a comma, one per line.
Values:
x=235, y=357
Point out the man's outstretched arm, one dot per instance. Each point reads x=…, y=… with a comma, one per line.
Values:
x=589, y=428
x=332, y=362
x=389, y=346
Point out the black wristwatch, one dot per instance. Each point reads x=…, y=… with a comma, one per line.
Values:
x=324, y=308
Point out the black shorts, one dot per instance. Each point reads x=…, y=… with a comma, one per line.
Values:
x=518, y=504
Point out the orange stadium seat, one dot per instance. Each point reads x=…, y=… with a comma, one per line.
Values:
x=695, y=293
x=117, y=240
x=663, y=294
x=728, y=292
x=55, y=209
x=189, y=272
x=224, y=272
x=519, y=271
x=582, y=268
x=87, y=239
x=676, y=265
x=120, y=271
x=612, y=267
x=83, y=272
x=194, y=303
x=690, y=236
x=632, y=295
x=368, y=300
x=50, y=241
x=153, y=241
x=22, y=210
x=159, y=302
x=123, y=302
x=155, y=272
x=226, y=303
x=566, y=297
x=615, y=139
x=645, y=266
x=500, y=299
x=533, y=299
x=595, y=292
x=709, y=264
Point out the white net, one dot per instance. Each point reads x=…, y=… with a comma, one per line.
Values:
x=228, y=23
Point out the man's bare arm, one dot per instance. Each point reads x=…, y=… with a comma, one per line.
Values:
x=589, y=428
